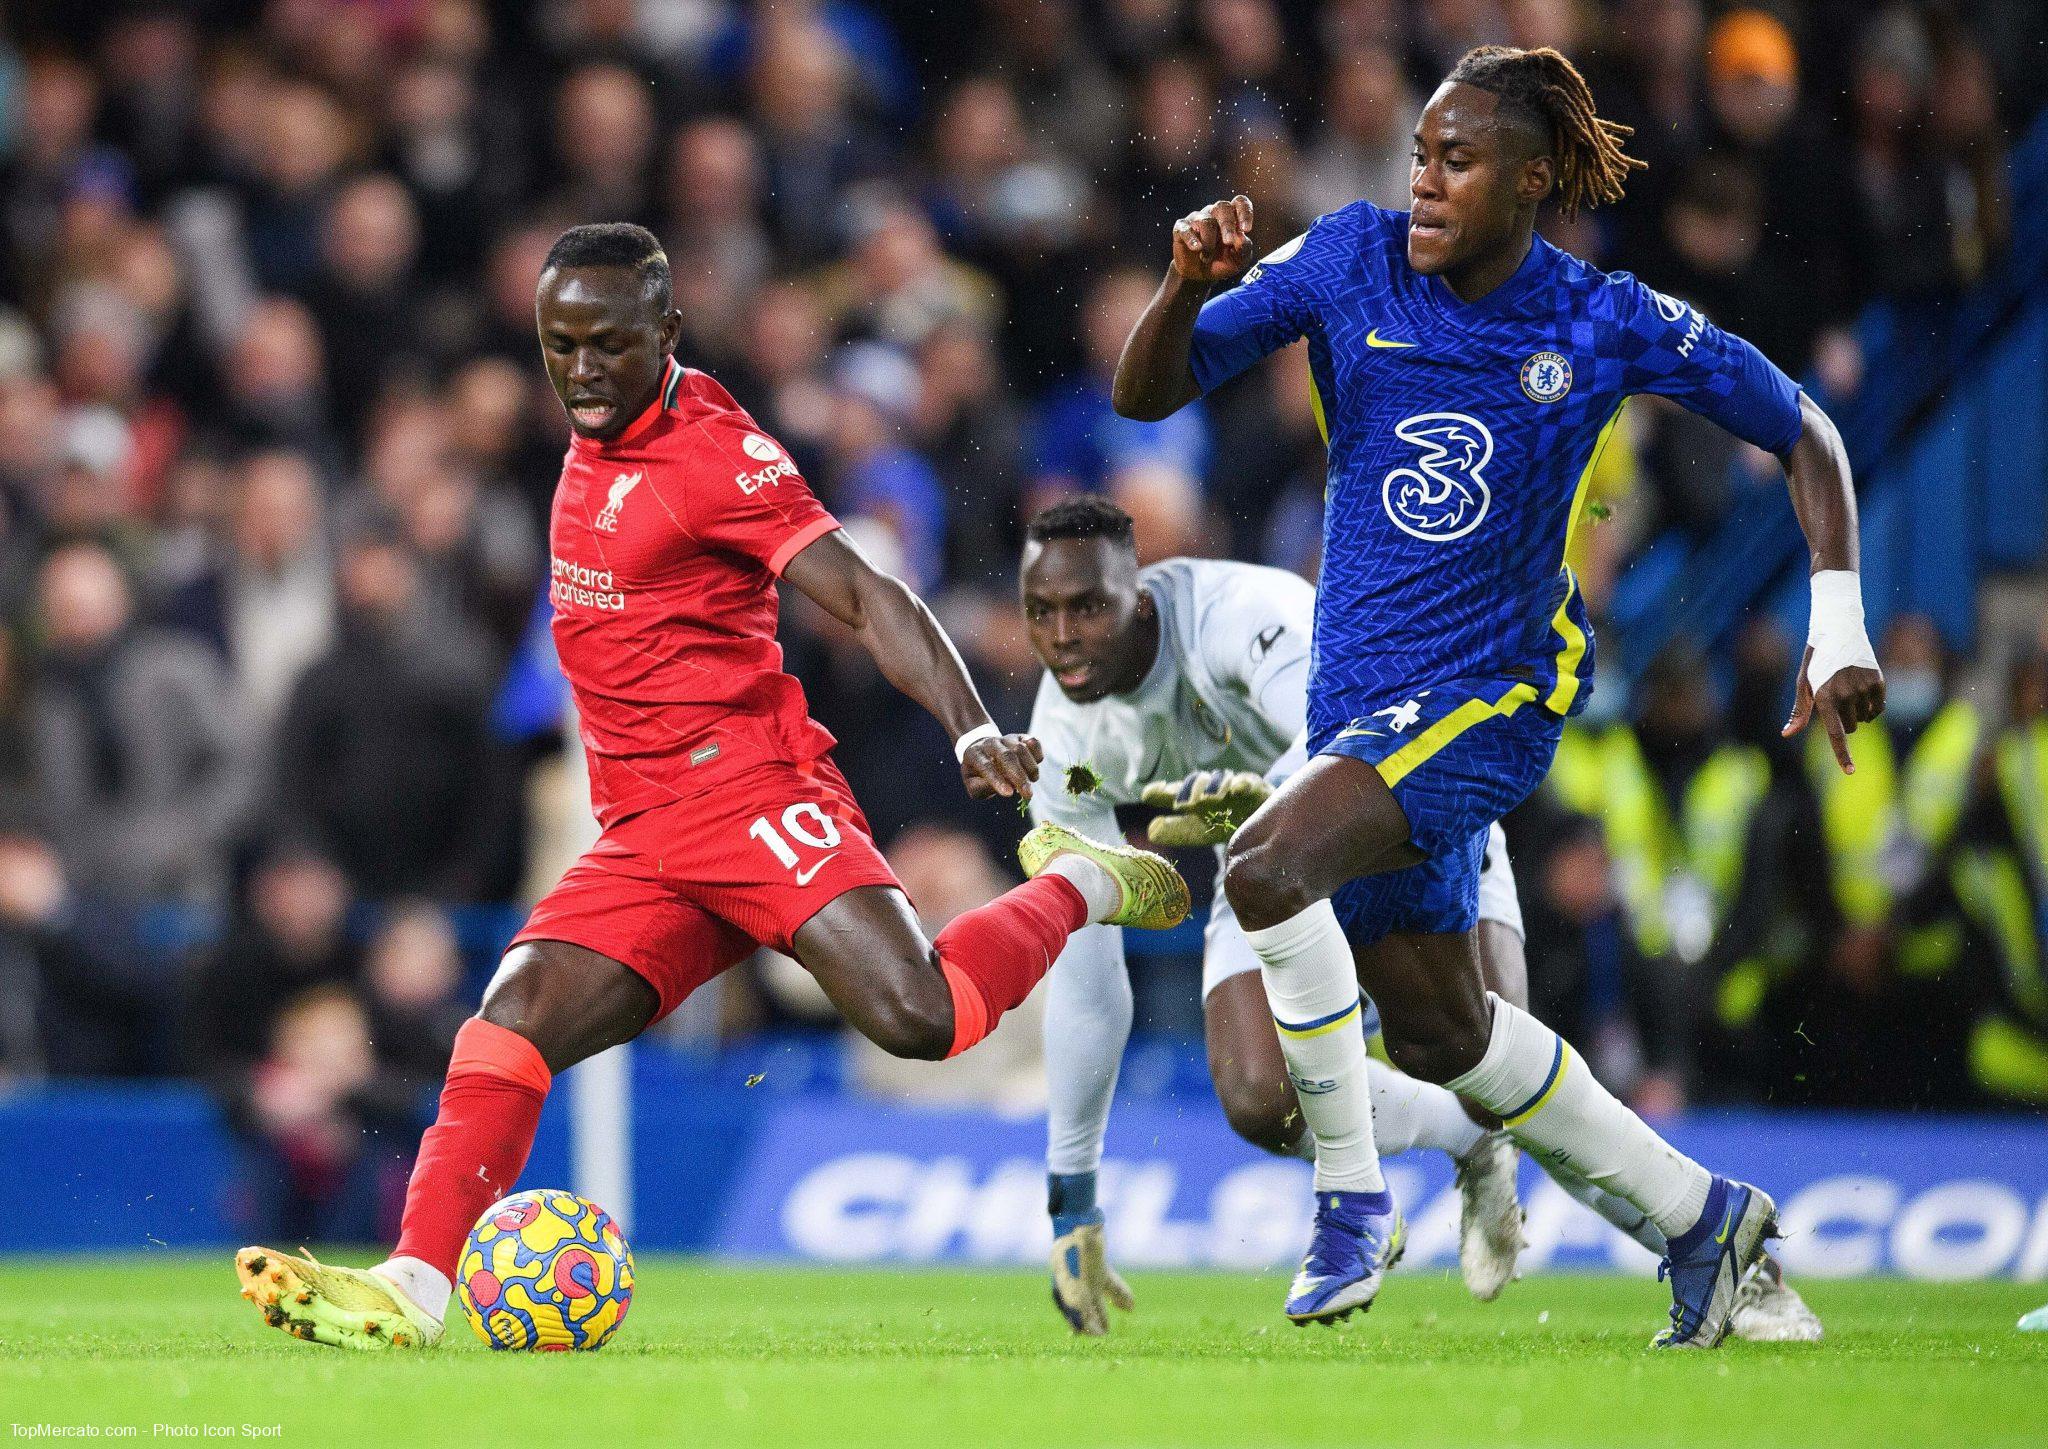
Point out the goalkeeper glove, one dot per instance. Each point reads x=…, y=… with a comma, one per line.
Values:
x=1204, y=809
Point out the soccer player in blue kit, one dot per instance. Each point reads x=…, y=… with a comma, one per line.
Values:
x=1467, y=373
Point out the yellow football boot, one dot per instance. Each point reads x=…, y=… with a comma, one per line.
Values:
x=344, y=1307
x=1154, y=895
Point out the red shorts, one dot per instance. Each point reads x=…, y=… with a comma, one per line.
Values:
x=683, y=891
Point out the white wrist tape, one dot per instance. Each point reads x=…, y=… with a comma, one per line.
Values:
x=1836, y=629
x=972, y=738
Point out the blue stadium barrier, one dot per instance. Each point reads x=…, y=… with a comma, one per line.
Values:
x=782, y=1171
x=1949, y=439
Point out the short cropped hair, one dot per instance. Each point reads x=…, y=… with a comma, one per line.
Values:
x=615, y=244
x=1084, y=517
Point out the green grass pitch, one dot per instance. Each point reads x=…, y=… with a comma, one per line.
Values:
x=722, y=1356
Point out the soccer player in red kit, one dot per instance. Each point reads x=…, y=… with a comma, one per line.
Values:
x=725, y=824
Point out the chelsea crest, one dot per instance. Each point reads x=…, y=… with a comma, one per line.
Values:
x=1546, y=377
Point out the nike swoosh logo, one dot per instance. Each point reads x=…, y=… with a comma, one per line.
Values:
x=1373, y=339
x=1727, y=1221
x=1356, y=732
x=803, y=877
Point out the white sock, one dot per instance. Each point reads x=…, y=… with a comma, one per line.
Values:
x=1408, y=1112
x=1312, y=988
x=1096, y=885
x=1556, y=1108
x=1622, y=1213
x=427, y=1286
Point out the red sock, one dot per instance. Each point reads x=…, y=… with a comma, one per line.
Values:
x=993, y=956
x=471, y=1156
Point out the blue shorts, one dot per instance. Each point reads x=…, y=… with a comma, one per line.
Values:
x=1457, y=757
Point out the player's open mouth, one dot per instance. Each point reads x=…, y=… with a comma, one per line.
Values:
x=1073, y=676
x=590, y=413
x=1427, y=228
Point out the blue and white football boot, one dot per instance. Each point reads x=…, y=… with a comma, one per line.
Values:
x=1358, y=1236
x=1707, y=1263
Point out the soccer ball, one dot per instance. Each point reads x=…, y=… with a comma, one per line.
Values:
x=545, y=1271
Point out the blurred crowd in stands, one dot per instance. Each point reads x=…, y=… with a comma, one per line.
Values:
x=279, y=748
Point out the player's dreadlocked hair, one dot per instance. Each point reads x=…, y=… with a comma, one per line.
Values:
x=1086, y=516
x=615, y=244
x=1549, y=93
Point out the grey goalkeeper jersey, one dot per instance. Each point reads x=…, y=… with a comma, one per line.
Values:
x=1228, y=690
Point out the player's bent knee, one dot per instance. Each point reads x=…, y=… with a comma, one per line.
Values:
x=916, y=1025
x=1263, y=1113
x=1263, y=889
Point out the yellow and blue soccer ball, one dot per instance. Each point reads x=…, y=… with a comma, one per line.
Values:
x=545, y=1271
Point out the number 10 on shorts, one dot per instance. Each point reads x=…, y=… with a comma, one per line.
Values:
x=804, y=823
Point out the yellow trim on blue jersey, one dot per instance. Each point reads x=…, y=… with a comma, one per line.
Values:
x=1574, y=652
x=1559, y=1064
x=1572, y=655
x=1315, y=405
x=1322, y=1025
x=1399, y=765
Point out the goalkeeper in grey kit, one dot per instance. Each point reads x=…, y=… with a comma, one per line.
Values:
x=1183, y=686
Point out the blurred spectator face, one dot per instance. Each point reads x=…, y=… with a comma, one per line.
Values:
x=1578, y=877
x=83, y=598
x=427, y=96
x=234, y=109
x=90, y=495
x=2027, y=690
x=196, y=494
x=787, y=335
x=145, y=269
x=486, y=403
x=1716, y=220
x=1165, y=505
x=1263, y=162
x=980, y=131
x=58, y=98
x=514, y=274
x=377, y=582
x=101, y=345
x=323, y=1039
x=1175, y=114
x=277, y=510
x=409, y=441
x=414, y=962
x=1914, y=665
x=31, y=881
x=1752, y=75
x=1664, y=35
x=146, y=51
x=299, y=901
x=1536, y=23
x=1677, y=709
x=1888, y=90
x=277, y=356
x=947, y=872
x=714, y=174
x=604, y=121
x=29, y=431
x=1112, y=310
x=1963, y=111
x=1365, y=100
x=1244, y=36
x=896, y=248
x=307, y=137
x=956, y=366
x=371, y=234
x=799, y=79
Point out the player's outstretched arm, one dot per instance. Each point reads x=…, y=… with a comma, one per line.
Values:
x=915, y=655
x=1838, y=678
x=1211, y=248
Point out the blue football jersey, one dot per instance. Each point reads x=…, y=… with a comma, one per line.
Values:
x=1461, y=436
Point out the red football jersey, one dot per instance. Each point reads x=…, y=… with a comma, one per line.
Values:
x=664, y=548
